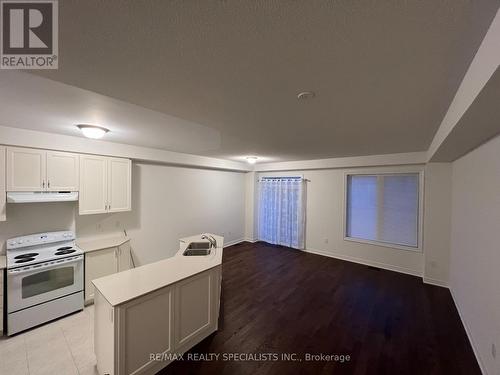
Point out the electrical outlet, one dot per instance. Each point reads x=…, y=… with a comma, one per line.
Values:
x=326, y=240
x=118, y=224
x=98, y=226
x=493, y=350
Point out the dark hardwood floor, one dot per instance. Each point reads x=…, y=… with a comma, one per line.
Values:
x=280, y=300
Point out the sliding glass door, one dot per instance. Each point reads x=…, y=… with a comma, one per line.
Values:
x=282, y=211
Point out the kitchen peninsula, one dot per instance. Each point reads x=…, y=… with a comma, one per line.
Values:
x=156, y=309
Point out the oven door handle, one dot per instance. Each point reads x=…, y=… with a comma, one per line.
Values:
x=42, y=266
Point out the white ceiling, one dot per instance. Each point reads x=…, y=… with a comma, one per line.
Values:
x=384, y=73
x=32, y=102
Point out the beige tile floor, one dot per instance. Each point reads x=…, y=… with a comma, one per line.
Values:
x=65, y=346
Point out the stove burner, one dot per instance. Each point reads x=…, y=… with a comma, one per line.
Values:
x=24, y=260
x=68, y=250
x=28, y=255
x=64, y=248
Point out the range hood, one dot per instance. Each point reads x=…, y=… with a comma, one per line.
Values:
x=41, y=196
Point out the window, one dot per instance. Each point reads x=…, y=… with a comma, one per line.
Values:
x=383, y=208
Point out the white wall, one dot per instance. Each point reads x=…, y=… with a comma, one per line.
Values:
x=168, y=203
x=250, y=206
x=324, y=222
x=475, y=249
x=172, y=202
x=437, y=223
x=30, y=218
x=51, y=141
x=482, y=67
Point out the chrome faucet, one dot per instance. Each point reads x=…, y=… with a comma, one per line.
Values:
x=210, y=239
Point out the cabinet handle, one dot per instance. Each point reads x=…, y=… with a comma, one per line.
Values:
x=48, y=183
x=43, y=183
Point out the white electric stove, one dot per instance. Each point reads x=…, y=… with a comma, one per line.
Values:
x=44, y=279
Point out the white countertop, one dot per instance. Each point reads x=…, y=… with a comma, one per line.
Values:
x=3, y=262
x=88, y=245
x=124, y=286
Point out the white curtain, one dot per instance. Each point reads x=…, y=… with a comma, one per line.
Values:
x=282, y=211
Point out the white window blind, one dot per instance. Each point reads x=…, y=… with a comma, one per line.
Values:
x=383, y=208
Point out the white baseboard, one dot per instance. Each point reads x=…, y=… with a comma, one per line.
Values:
x=385, y=266
x=234, y=242
x=469, y=336
x=390, y=267
x=431, y=281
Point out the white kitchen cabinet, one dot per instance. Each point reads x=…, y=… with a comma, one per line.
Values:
x=98, y=263
x=105, y=185
x=171, y=319
x=26, y=169
x=104, y=262
x=63, y=171
x=146, y=320
x=2, y=185
x=124, y=257
x=93, y=197
x=196, y=305
x=119, y=184
x=41, y=170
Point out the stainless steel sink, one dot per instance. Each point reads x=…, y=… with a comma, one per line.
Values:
x=196, y=252
x=197, y=248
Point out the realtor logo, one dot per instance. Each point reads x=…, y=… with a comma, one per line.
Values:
x=29, y=37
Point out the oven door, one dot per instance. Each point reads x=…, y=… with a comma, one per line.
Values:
x=43, y=282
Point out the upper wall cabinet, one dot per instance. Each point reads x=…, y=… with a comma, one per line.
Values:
x=105, y=184
x=63, y=171
x=119, y=184
x=93, y=184
x=25, y=169
x=41, y=170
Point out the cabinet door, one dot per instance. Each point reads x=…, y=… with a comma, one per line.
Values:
x=62, y=171
x=25, y=169
x=93, y=184
x=98, y=263
x=196, y=304
x=145, y=326
x=2, y=195
x=124, y=261
x=119, y=184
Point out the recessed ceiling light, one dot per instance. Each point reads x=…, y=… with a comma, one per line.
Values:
x=304, y=95
x=92, y=131
x=252, y=159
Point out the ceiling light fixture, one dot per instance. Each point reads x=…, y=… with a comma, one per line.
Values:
x=304, y=95
x=92, y=131
x=252, y=159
